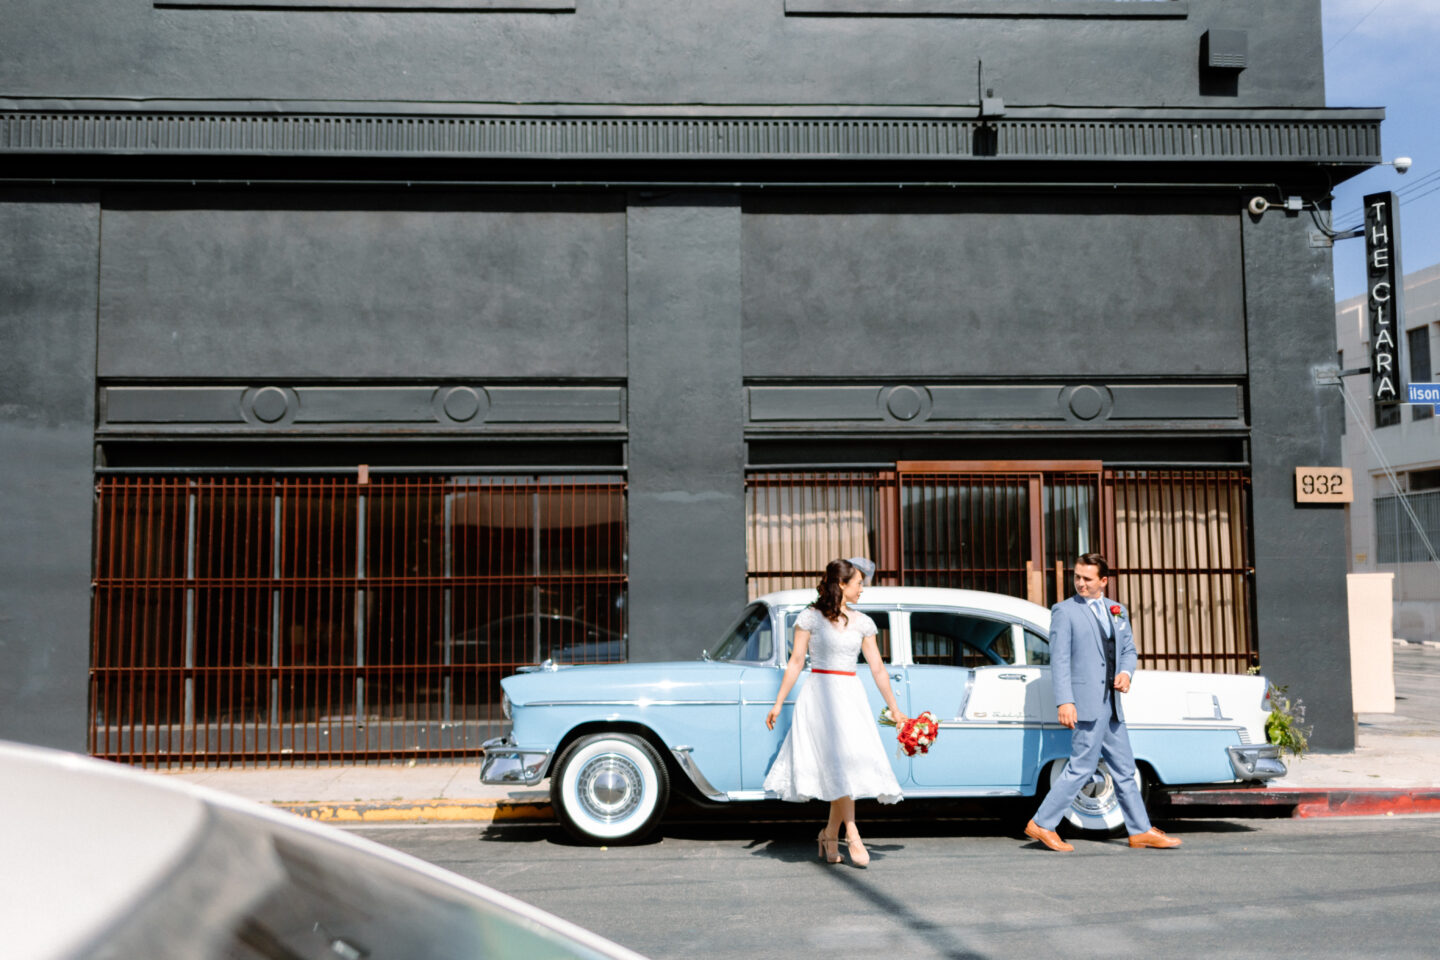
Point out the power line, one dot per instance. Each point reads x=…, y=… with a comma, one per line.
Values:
x=1406, y=194
x=1412, y=187
x=1360, y=418
x=1417, y=196
x=1347, y=33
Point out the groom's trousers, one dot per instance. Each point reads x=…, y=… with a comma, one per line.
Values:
x=1093, y=741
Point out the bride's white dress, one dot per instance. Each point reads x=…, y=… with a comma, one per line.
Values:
x=833, y=749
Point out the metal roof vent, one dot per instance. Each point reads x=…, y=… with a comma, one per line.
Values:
x=1224, y=49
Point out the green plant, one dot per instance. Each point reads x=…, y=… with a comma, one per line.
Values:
x=1285, y=727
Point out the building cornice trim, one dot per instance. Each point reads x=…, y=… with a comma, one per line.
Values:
x=670, y=133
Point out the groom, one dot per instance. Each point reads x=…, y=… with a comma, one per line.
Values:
x=1092, y=656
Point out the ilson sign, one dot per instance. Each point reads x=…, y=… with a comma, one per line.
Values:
x=1383, y=281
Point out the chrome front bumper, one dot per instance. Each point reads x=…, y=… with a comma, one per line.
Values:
x=506, y=763
x=1256, y=763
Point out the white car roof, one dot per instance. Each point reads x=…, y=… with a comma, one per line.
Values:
x=1012, y=608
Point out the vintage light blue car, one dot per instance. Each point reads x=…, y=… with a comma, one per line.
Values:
x=612, y=738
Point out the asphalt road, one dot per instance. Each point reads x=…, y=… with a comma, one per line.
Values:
x=968, y=889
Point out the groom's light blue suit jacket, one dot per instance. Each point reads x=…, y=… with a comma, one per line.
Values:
x=1077, y=656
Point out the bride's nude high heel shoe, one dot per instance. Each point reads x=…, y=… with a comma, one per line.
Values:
x=828, y=848
x=859, y=856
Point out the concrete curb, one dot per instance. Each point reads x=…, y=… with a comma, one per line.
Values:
x=422, y=811
x=1320, y=801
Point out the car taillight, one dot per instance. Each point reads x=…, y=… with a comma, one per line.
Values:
x=505, y=705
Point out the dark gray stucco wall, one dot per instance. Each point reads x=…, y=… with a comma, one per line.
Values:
x=1301, y=611
x=659, y=51
x=687, y=455
x=1034, y=285
x=48, y=257
x=449, y=286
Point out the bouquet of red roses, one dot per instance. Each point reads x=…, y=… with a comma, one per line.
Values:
x=916, y=734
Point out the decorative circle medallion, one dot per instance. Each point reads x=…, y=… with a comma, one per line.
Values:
x=269, y=404
x=1086, y=402
x=904, y=403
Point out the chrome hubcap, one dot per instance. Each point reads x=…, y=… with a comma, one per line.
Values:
x=610, y=787
x=1097, y=797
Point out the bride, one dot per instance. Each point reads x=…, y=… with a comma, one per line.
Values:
x=833, y=750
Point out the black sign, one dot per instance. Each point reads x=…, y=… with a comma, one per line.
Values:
x=1383, y=283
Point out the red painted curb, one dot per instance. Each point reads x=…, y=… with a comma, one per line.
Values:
x=1371, y=803
x=1319, y=801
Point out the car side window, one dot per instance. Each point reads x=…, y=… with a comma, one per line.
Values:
x=959, y=639
x=1037, y=649
x=751, y=640
x=882, y=632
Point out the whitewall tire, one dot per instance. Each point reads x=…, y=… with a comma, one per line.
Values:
x=1096, y=808
x=609, y=788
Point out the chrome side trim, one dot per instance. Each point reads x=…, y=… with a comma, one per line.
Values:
x=1052, y=725
x=965, y=697
x=991, y=724
x=970, y=792
x=506, y=763
x=692, y=770
x=907, y=791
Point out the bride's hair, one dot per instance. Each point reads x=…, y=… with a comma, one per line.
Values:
x=831, y=588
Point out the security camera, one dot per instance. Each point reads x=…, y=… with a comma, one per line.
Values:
x=1402, y=164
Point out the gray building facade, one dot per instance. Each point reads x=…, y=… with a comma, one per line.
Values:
x=278, y=278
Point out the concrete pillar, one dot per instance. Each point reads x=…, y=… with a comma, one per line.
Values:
x=49, y=259
x=687, y=451
x=1300, y=595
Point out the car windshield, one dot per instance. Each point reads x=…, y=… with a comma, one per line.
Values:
x=751, y=639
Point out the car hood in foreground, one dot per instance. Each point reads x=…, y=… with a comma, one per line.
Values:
x=97, y=859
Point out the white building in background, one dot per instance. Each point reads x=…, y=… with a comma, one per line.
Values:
x=1382, y=537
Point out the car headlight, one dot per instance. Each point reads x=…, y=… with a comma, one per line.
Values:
x=505, y=705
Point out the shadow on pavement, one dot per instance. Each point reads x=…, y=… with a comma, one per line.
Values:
x=789, y=829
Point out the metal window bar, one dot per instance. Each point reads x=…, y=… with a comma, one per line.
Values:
x=1397, y=541
x=277, y=620
x=797, y=522
x=1182, y=566
x=1178, y=540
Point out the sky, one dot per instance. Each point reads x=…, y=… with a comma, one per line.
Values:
x=1385, y=53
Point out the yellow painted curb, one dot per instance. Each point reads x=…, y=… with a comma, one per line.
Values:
x=461, y=811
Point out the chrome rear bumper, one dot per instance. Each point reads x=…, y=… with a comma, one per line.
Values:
x=1256, y=762
x=506, y=763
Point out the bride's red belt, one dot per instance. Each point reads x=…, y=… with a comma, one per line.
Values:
x=838, y=673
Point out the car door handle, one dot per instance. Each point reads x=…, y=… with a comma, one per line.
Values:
x=897, y=677
x=1015, y=676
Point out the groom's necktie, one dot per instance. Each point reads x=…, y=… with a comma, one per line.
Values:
x=1108, y=633
x=1100, y=615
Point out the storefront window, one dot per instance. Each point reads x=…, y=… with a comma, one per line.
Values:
x=309, y=617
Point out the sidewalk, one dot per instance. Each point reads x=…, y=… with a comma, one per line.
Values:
x=1394, y=770
x=389, y=793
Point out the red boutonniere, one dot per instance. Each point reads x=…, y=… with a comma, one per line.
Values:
x=1117, y=611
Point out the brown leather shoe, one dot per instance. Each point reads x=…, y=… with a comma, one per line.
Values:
x=1154, y=838
x=1050, y=838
